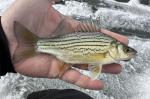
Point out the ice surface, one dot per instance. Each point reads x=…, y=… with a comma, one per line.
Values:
x=132, y=83
x=130, y=16
x=77, y=8
x=4, y=4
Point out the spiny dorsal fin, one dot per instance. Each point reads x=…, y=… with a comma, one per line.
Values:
x=88, y=25
x=26, y=43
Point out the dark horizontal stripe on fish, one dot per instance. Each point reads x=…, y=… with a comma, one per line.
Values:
x=76, y=43
x=83, y=34
x=80, y=50
x=71, y=40
x=62, y=39
x=70, y=46
x=86, y=50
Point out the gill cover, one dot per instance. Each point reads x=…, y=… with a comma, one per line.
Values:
x=113, y=50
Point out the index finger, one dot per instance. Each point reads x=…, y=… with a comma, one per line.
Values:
x=121, y=38
x=75, y=77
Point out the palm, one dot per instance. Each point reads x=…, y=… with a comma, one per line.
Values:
x=44, y=21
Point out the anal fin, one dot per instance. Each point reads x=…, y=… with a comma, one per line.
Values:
x=95, y=70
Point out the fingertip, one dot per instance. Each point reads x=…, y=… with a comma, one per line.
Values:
x=112, y=68
x=119, y=37
x=89, y=83
x=74, y=77
x=71, y=76
x=96, y=85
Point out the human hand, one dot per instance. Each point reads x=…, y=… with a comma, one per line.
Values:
x=44, y=21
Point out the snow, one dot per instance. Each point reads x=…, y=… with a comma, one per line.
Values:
x=4, y=4
x=77, y=8
x=132, y=83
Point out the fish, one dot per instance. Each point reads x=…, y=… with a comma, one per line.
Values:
x=84, y=47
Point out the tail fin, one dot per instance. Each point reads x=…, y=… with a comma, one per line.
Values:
x=26, y=43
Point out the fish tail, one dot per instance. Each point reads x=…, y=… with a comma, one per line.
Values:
x=26, y=43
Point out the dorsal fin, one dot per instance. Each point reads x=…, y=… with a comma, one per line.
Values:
x=88, y=25
x=85, y=25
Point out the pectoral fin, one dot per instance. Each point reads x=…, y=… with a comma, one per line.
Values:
x=95, y=71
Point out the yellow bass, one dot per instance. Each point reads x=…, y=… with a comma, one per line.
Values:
x=93, y=48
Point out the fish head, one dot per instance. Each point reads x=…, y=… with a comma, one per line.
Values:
x=121, y=52
x=125, y=52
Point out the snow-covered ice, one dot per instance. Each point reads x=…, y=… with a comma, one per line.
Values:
x=132, y=83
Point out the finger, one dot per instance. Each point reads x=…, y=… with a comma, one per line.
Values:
x=119, y=37
x=74, y=77
x=112, y=68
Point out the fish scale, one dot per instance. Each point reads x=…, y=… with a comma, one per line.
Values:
x=78, y=36
x=77, y=41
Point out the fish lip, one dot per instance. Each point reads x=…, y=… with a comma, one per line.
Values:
x=132, y=55
x=127, y=60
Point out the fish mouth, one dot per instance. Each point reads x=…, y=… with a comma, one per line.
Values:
x=131, y=55
x=127, y=60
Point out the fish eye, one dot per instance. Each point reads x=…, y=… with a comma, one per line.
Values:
x=127, y=49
